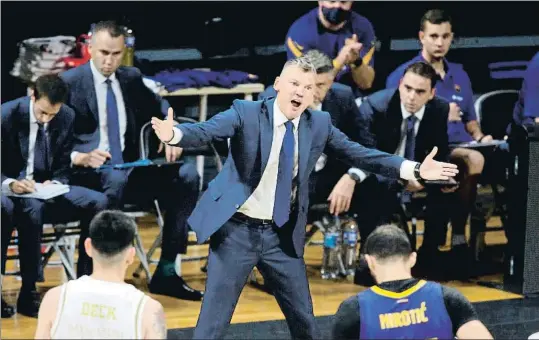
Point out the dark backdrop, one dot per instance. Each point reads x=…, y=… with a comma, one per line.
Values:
x=159, y=25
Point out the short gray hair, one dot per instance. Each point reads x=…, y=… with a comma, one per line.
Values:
x=302, y=62
x=321, y=61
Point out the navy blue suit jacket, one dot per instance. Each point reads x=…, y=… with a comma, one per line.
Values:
x=141, y=104
x=249, y=125
x=382, y=114
x=15, y=140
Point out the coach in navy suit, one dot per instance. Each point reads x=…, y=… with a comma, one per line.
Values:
x=111, y=105
x=255, y=209
x=330, y=180
x=37, y=135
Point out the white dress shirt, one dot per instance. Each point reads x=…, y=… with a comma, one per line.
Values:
x=31, y=147
x=260, y=203
x=402, y=143
x=100, y=87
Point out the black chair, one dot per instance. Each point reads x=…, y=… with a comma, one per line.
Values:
x=494, y=113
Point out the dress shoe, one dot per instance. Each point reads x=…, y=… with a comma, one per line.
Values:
x=174, y=286
x=430, y=265
x=28, y=303
x=461, y=262
x=7, y=310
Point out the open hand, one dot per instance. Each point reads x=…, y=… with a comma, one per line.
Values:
x=164, y=128
x=341, y=195
x=434, y=170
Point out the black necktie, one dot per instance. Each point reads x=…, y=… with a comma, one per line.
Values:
x=41, y=155
x=409, y=150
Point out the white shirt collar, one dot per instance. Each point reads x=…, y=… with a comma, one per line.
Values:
x=279, y=118
x=98, y=77
x=419, y=114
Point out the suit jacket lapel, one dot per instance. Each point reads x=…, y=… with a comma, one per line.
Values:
x=91, y=96
x=24, y=129
x=304, y=139
x=394, y=121
x=266, y=132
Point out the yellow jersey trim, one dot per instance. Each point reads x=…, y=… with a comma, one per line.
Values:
x=401, y=295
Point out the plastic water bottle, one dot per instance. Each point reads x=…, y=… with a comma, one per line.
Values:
x=332, y=245
x=350, y=235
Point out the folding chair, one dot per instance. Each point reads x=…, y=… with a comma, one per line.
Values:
x=494, y=113
x=145, y=146
x=62, y=239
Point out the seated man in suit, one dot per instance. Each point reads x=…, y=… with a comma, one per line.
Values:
x=37, y=139
x=111, y=105
x=330, y=180
x=452, y=84
x=408, y=121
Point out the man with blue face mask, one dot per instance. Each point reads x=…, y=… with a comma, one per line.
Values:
x=347, y=37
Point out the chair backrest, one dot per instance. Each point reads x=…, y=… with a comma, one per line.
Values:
x=495, y=111
x=149, y=143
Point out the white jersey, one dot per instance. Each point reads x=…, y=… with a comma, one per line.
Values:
x=95, y=309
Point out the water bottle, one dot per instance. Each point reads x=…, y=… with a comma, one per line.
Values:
x=129, y=55
x=350, y=235
x=332, y=241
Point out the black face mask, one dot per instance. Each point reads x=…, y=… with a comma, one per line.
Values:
x=335, y=15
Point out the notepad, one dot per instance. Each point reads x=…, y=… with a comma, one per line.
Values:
x=43, y=192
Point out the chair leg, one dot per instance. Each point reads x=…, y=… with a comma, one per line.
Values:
x=142, y=256
x=156, y=243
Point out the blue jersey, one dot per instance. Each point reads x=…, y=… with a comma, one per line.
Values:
x=416, y=313
x=307, y=33
x=455, y=88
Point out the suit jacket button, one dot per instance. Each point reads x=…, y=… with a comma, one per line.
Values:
x=237, y=206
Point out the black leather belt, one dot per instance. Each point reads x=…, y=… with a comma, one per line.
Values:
x=244, y=218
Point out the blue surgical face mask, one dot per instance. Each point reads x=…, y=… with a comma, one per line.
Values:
x=335, y=15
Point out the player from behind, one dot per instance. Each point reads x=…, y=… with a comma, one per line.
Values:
x=102, y=305
x=399, y=306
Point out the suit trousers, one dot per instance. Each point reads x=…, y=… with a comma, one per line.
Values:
x=175, y=187
x=29, y=215
x=235, y=249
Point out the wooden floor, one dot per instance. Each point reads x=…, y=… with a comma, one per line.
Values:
x=253, y=305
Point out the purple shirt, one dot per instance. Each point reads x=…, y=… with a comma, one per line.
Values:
x=307, y=33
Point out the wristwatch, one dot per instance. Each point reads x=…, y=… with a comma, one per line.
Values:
x=354, y=176
x=417, y=173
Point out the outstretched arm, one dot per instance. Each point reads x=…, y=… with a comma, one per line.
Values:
x=384, y=163
x=220, y=127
